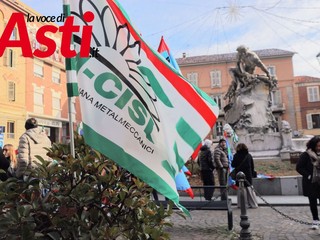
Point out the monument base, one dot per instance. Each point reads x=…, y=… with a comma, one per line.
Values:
x=262, y=145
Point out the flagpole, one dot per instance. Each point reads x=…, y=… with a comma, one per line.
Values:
x=71, y=87
x=72, y=151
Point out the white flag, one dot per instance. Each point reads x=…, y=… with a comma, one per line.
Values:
x=135, y=109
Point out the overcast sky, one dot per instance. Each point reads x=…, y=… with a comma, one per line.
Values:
x=201, y=27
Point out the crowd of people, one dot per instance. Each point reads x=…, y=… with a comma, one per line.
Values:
x=34, y=142
x=17, y=162
x=215, y=160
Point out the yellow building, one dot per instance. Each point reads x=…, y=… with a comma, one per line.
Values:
x=12, y=81
x=31, y=86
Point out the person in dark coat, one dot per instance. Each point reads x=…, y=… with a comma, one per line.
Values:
x=243, y=162
x=4, y=165
x=206, y=163
x=246, y=167
x=305, y=168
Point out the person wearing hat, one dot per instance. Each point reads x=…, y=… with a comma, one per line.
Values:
x=220, y=156
x=31, y=143
x=206, y=163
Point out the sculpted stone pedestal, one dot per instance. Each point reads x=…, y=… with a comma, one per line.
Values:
x=251, y=117
x=250, y=111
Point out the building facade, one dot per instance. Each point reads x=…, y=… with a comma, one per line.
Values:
x=211, y=74
x=34, y=87
x=307, y=102
x=12, y=82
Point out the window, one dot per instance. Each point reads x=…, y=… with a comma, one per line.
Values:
x=38, y=69
x=218, y=129
x=56, y=75
x=219, y=100
x=9, y=58
x=313, y=94
x=56, y=104
x=11, y=91
x=276, y=98
x=215, y=77
x=56, y=56
x=36, y=44
x=56, y=107
x=38, y=99
x=193, y=78
x=10, y=129
x=313, y=120
x=272, y=70
x=14, y=35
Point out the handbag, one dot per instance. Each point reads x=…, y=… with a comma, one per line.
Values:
x=316, y=175
x=254, y=175
x=233, y=173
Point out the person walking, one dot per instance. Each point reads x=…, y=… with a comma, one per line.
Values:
x=243, y=162
x=10, y=154
x=305, y=167
x=220, y=156
x=206, y=163
x=31, y=143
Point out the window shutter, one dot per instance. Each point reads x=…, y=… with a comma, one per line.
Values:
x=276, y=98
x=215, y=77
x=309, y=121
x=6, y=58
x=316, y=94
x=14, y=58
x=310, y=95
x=219, y=78
x=212, y=79
x=196, y=79
x=11, y=91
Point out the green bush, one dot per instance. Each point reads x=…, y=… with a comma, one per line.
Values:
x=80, y=203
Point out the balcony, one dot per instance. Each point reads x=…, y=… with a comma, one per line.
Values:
x=278, y=107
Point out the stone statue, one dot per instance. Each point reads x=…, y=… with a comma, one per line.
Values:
x=286, y=136
x=250, y=95
x=243, y=77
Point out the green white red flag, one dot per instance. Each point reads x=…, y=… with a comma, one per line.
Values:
x=72, y=84
x=135, y=109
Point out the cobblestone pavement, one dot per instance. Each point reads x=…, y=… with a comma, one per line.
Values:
x=265, y=223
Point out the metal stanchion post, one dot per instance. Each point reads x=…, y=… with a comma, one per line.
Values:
x=245, y=233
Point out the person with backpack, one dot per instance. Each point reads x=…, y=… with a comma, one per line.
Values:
x=31, y=143
x=206, y=163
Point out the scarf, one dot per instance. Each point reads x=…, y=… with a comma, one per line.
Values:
x=315, y=159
